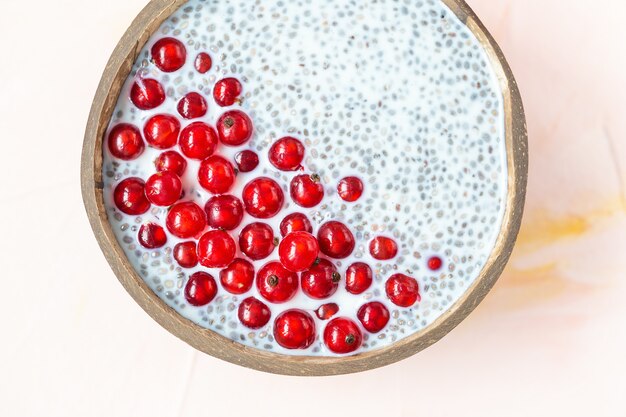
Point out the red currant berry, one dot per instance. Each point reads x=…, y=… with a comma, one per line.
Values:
x=125, y=142
x=185, y=254
x=130, y=197
x=321, y=280
x=224, y=212
x=201, y=289
x=295, y=222
x=161, y=131
x=216, y=249
x=198, y=141
x=185, y=220
x=163, y=188
x=147, y=93
x=171, y=161
x=373, y=316
x=275, y=283
x=234, y=128
x=246, y=161
x=256, y=240
x=350, y=189
x=335, y=240
x=253, y=313
x=402, y=290
x=342, y=335
x=326, y=311
x=294, y=329
x=287, y=154
x=226, y=91
x=216, y=174
x=238, y=277
x=298, y=251
x=383, y=248
x=168, y=54
x=358, y=278
x=306, y=190
x=263, y=198
x=203, y=63
x=152, y=236
x=192, y=106
x=434, y=263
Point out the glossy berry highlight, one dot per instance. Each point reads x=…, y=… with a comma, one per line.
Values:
x=130, y=197
x=161, y=131
x=350, y=189
x=306, y=190
x=224, y=211
x=286, y=154
x=216, y=249
x=359, y=278
x=171, y=161
x=192, y=106
x=275, y=283
x=402, y=290
x=321, y=280
x=383, y=248
x=295, y=222
x=256, y=240
x=335, y=240
x=246, y=161
x=263, y=198
x=294, y=329
x=147, y=93
x=216, y=174
x=203, y=62
x=326, y=311
x=151, y=236
x=168, y=54
x=200, y=289
x=125, y=142
x=227, y=91
x=185, y=220
x=185, y=254
x=298, y=251
x=163, y=188
x=342, y=335
x=198, y=141
x=374, y=316
x=234, y=128
x=253, y=313
x=238, y=276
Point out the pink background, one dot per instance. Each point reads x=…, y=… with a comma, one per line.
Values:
x=549, y=340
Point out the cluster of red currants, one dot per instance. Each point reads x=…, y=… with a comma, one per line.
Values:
x=206, y=232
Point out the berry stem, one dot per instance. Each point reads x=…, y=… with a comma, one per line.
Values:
x=272, y=280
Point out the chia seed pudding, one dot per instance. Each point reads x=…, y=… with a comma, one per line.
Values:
x=398, y=93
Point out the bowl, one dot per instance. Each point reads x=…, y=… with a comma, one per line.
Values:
x=116, y=72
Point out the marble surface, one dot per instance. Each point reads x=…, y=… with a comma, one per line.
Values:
x=548, y=340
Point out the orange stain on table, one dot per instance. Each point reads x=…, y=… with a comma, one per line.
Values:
x=540, y=227
x=543, y=229
x=523, y=288
x=520, y=288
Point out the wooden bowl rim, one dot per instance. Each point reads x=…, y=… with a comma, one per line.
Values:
x=115, y=73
